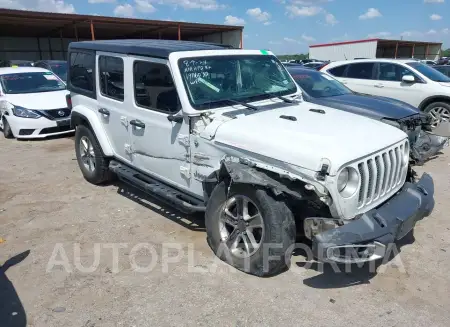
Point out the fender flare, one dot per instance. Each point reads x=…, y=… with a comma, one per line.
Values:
x=84, y=116
x=431, y=99
x=236, y=172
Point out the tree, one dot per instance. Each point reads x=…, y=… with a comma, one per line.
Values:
x=445, y=53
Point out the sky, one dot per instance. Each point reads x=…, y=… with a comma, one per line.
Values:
x=283, y=26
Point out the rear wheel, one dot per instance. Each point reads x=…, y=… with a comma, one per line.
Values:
x=249, y=229
x=439, y=112
x=92, y=162
x=7, y=129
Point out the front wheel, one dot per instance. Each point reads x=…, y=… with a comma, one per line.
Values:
x=249, y=229
x=7, y=132
x=439, y=112
x=91, y=160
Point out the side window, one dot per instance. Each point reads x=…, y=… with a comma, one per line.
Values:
x=338, y=71
x=393, y=72
x=363, y=70
x=111, y=77
x=154, y=88
x=82, y=71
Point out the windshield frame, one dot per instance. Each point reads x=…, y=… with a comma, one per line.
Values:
x=224, y=102
x=326, y=76
x=414, y=65
x=6, y=91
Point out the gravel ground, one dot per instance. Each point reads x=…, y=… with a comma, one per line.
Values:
x=47, y=211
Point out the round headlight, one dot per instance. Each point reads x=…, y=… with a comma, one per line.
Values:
x=348, y=182
x=342, y=180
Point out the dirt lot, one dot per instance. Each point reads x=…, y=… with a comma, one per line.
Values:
x=46, y=206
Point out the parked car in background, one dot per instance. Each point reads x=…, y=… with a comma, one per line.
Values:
x=444, y=69
x=314, y=65
x=443, y=61
x=16, y=63
x=228, y=136
x=32, y=103
x=320, y=88
x=59, y=67
x=406, y=80
x=429, y=62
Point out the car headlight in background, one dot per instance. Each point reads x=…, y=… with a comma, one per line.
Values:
x=391, y=122
x=24, y=113
x=347, y=182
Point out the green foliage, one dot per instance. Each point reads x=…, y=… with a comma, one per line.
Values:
x=445, y=53
x=300, y=56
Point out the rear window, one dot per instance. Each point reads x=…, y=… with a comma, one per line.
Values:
x=60, y=69
x=338, y=71
x=82, y=71
x=33, y=82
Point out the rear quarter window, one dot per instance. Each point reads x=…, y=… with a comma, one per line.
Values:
x=338, y=71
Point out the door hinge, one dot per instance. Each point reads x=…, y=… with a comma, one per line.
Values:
x=183, y=140
x=128, y=149
x=185, y=171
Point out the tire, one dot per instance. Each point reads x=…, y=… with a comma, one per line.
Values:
x=93, y=165
x=7, y=130
x=434, y=108
x=278, y=236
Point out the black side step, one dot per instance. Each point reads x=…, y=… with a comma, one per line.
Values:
x=155, y=188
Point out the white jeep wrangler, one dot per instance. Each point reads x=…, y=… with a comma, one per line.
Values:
x=225, y=131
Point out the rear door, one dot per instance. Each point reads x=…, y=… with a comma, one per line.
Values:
x=113, y=104
x=160, y=145
x=360, y=77
x=389, y=83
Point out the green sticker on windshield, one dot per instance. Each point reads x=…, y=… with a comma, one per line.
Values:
x=264, y=52
x=48, y=73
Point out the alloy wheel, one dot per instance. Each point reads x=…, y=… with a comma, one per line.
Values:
x=241, y=226
x=439, y=115
x=87, y=153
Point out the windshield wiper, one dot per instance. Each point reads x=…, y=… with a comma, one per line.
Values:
x=249, y=106
x=285, y=99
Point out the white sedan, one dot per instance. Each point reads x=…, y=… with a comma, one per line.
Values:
x=32, y=103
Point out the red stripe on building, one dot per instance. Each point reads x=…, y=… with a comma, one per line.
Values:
x=341, y=43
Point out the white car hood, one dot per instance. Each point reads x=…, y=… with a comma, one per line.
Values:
x=336, y=135
x=39, y=101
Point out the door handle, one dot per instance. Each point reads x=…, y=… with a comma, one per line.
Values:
x=104, y=111
x=137, y=123
x=380, y=86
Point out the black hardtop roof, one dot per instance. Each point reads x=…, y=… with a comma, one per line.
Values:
x=153, y=48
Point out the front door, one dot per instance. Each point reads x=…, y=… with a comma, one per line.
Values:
x=113, y=102
x=390, y=84
x=160, y=147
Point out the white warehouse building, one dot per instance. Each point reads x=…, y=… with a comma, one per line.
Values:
x=375, y=48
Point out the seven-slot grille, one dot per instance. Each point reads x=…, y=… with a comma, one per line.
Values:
x=381, y=173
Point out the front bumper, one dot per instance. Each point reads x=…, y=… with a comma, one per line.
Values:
x=38, y=128
x=365, y=239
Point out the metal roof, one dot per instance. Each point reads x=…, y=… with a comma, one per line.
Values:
x=24, y=23
x=153, y=48
x=372, y=40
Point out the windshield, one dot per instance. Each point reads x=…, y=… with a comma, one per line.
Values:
x=211, y=81
x=33, y=82
x=60, y=70
x=318, y=85
x=429, y=72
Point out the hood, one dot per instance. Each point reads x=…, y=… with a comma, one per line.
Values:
x=305, y=136
x=367, y=105
x=39, y=101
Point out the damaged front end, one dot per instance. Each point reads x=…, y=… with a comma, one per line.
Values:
x=425, y=143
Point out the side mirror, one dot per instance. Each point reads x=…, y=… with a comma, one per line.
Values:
x=175, y=119
x=408, y=79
